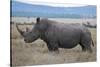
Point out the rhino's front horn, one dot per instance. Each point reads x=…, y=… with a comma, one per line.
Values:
x=20, y=31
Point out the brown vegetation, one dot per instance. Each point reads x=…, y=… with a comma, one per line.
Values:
x=37, y=53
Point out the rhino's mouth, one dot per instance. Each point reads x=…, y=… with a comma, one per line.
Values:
x=30, y=40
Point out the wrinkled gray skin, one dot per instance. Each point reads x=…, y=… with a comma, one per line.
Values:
x=58, y=35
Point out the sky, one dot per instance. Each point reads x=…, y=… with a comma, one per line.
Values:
x=57, y=3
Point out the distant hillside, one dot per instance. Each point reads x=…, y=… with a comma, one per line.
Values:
x=30, y=10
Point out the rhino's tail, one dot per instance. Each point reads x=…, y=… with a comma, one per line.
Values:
x=92, y=43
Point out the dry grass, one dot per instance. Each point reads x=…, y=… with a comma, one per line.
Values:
x=36, y=53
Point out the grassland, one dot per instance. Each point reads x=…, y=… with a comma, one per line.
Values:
x=36, y=53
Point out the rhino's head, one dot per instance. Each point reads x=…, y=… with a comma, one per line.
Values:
x=29, y=36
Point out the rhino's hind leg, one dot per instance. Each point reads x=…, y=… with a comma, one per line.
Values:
x=83, y=48
x=89, y=49
x=86, y=47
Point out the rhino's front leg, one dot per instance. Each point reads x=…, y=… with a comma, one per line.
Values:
x=52, y=46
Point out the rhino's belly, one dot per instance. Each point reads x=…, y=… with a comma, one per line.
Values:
x=69, y=40
x=68, y=43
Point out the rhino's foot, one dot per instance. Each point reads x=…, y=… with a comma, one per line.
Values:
x=90, y=50
x=54, y=52
x=84, y=50
x=87, y=50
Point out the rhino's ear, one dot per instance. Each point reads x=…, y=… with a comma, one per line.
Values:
x=37, y=19
x=27, y=29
